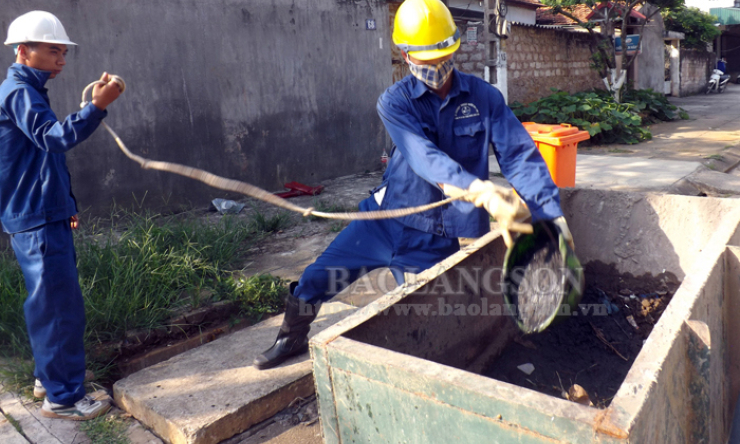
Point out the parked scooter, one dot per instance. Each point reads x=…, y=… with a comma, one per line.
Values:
x=717, y=81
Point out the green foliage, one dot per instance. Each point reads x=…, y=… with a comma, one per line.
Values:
x=259, y=295
x=697, y=25
x=13, y=335
x=596, y=112
x=269, y=224
x=132, y=280
x=106, y=429
x=134, y=275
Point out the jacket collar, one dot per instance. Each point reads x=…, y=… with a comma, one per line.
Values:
x=459, y=84
x=34, y=77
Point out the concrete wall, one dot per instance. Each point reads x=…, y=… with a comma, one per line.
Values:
x=540, y=59
x=261, y=91
x=694, y=70
x=651, y=62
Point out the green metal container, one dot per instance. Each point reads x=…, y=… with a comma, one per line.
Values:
x=407, y=368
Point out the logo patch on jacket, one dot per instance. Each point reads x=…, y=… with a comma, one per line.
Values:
x=466, y=110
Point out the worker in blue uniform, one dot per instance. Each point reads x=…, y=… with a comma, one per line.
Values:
x=441, y=122
x=39, y=211
x=722, y=65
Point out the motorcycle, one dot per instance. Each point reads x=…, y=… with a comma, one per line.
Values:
x=717, y=82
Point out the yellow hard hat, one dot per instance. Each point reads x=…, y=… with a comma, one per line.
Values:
x=425, y=29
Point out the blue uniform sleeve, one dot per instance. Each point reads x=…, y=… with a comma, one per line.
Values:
x=423, y=156
x=32, y=114
x=521, y=162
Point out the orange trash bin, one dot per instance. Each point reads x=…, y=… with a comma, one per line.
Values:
x=558, y=145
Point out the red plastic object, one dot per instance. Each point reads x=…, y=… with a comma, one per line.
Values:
x=299, y=189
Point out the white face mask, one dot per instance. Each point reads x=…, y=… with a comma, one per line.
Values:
x=434, y=76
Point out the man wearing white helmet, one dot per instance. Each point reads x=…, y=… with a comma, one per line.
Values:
x=38, y=209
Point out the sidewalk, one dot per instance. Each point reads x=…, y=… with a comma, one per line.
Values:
x=694, y=151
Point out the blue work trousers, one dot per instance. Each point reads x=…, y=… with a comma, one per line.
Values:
x=366, y=245
x=54, y=309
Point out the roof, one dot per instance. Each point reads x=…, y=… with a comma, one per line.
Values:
x=600, y=6
x=529, y=4
x=546, y=17
x=726, y=16
x=581, y=12
x=558, y=28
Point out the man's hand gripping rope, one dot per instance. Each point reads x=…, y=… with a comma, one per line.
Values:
x=501, y=203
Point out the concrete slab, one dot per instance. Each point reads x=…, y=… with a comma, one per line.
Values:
x=630, y=173
x=624, y=173
x=211, y=393
x=39, y=430
x=8, y=433
x=714, y=183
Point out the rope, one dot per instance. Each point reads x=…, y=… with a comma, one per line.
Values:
x=265, y=196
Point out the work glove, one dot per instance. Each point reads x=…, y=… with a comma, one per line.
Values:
x=501, y=203
x=562, y=227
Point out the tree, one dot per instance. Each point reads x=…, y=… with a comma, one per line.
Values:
x=604, y=18
x=697, y=26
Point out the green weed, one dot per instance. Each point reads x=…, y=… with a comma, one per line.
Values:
x=261, y=223
x=259, y=295
x=106, y=429
x=133, y=276
x=620, y=151
x=336, y=227
x=596, y=112
x=715, y=157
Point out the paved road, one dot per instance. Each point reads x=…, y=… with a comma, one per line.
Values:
x=713, y=127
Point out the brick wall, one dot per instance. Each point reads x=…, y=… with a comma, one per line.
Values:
x=539, y=59
x=695, y=70
x=470, y=57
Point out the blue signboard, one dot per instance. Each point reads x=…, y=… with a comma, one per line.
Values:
x=633, y=44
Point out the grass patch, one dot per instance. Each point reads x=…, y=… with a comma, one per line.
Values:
x=336, y=227
x=261, y=223
x=134, y=275
x=107, y=429
x=620, y=151
x=260, y=295
x=715, y=157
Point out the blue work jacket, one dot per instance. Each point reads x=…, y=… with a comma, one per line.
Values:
x=447, y=142
x=34, y=181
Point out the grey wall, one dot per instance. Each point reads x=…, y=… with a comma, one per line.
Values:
x=651, y=62
x=265, y=91
x=695, y=70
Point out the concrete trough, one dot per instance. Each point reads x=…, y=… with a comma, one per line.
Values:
x=393, y=372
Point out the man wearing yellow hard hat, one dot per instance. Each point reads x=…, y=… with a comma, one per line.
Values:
x=38, y=209
x=441, y=122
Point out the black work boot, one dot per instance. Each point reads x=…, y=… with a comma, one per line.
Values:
x=292, y=339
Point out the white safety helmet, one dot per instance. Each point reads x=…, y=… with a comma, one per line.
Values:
x=37, y=26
